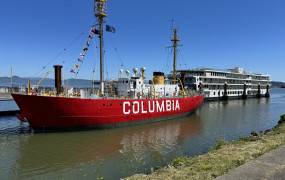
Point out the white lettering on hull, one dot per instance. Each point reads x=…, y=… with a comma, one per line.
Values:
x=168, y=105
x=125, y=104
x=151, y=108
x=140, y=107
x=177, y=107
x=143, y=111
x=159, y=106
x=136, y=107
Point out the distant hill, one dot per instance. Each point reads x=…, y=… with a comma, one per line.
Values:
x=19, y=81
x=80, y=83
x=278, y=84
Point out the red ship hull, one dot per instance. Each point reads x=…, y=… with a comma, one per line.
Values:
x=45, y=112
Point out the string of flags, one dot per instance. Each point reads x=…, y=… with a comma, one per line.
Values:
x=93, y=31
x=75, y=70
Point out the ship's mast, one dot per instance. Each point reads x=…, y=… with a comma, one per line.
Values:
x=100, y=15
x=175, y=41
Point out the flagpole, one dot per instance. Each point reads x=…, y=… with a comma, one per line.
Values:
x=100, y=14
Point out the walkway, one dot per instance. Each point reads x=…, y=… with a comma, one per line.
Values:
x=268, y=166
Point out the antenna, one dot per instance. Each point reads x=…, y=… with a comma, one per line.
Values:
x=172, y=23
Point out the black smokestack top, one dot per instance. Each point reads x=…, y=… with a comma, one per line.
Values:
x=158, y=74
x=57, y=78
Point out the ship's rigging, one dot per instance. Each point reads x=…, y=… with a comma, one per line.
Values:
x=98, y=29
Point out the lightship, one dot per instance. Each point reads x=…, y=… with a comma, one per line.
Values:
x=134, y=100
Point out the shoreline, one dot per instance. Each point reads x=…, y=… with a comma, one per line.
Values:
x=224, y=156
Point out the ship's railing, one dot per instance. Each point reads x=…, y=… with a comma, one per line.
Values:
x=111, y=94
x=152, y=95
x=95, y=96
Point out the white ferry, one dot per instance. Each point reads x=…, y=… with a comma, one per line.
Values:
x=224, y=84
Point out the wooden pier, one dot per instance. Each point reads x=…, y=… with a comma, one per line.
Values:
x=9, y=113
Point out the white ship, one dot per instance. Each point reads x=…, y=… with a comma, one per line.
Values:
x=224, y=84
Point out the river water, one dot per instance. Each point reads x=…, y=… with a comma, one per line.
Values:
x=116, y=153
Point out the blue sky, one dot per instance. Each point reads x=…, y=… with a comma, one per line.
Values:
x=214, y=33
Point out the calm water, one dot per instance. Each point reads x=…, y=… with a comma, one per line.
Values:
x=122, y=152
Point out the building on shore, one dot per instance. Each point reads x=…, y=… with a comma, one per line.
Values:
x=224, y=84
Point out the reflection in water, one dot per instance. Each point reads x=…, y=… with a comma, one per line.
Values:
x=121, y=152
x=135, y=147
x=160, y=139
x=232, y=119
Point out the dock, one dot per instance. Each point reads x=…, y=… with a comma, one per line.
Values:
x=9, y=113
x=5, y=97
